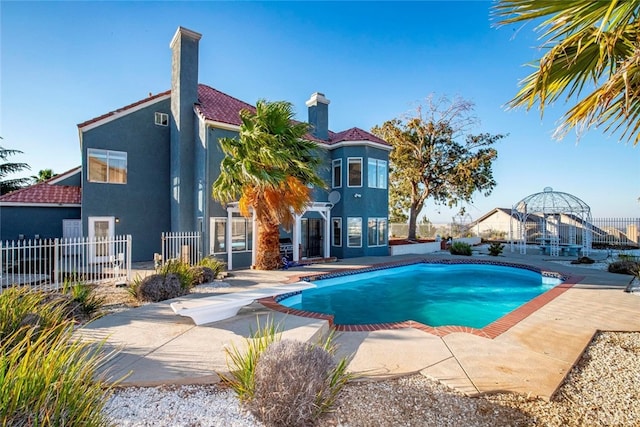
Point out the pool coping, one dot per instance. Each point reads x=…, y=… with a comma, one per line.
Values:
x=491, y=331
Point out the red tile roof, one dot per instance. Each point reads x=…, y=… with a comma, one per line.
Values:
x=45, y=193
x=354, y=134
x=219, y=107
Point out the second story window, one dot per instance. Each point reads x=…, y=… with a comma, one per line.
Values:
x=162, y=119
x=377, y=173
x=355, y=172
x=336, y=177
x=107, y=166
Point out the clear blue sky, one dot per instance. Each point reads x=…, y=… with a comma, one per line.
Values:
x=66, y=62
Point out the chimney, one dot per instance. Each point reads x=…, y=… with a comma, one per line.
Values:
x=319, y=115
x=184, y=94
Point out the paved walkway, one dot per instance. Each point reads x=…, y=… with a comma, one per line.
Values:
x=155, y=346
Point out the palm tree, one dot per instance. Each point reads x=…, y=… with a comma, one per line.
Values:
x=592, y=48
x=43, y=175
x=7, y=168
x=270, y=168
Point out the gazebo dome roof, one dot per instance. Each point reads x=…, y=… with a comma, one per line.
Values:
x=552, y=202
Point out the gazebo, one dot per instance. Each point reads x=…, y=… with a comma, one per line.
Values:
x=561, y=221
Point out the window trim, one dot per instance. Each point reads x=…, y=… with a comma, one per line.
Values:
x=377, y=243
x=377, y=166
x=349, y=245
x=336, y=221
x=336, y=163
x=222, y=220
x=349, y=161
x=107, y=154
x=161, y=119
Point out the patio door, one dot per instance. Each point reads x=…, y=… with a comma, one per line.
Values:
x=101, y=234
x=311, y=237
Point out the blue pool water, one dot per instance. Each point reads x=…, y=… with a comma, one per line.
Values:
x=471, y=295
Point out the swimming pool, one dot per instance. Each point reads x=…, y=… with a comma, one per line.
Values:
x=472, y=295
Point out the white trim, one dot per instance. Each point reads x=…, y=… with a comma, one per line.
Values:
x=163, y=118
x=220, y=125
x=333, y=237
x=317, y=98
x=348, y=239
x=333, y=174
x=64, y=175
x=361, y=172
x=42, y=205
x=187, y=32
x=359, y=144
x=122, y=113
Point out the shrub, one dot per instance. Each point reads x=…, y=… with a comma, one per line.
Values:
x=214, y=264
x=201, y=274
x=158, y=287
x=181, y=270
x=22, y=309
x=84, y=304
x=495, y=249
x=460, y=248
x=285, y=382
x=49, y=379
x=293, y=384
x=624, y=267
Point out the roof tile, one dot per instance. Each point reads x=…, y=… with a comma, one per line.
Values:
x=45, y=193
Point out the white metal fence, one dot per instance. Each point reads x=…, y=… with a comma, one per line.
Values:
x=46, y=264
x=183, y=246
x=605, y=232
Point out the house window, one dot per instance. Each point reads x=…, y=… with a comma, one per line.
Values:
x=377, y=173
x=337, y=173
x=162, y=119
x=377, y=231
x=355, y=172
x=337, y=231
x=241, y=235
x=354, y=230
x=107, y=166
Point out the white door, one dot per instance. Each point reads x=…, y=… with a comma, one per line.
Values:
x=101, y=233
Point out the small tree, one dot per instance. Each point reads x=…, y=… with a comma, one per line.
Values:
x=429, y=161
x=7, y=168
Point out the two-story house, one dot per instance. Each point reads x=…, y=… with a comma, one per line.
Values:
x=148, y=168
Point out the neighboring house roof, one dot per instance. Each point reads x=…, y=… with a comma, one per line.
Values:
x=46, y=193
x=216, y=106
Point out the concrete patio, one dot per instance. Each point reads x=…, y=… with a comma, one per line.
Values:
x=152, y=345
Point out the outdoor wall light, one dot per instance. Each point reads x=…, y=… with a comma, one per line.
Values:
x=117, y=220
x=357, y=195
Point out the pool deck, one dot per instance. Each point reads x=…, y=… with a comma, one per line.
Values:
x=529, y=353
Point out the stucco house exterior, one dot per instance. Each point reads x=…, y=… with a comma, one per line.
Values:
x=148, y=168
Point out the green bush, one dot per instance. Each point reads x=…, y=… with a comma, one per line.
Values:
x=181, y=270
x=201, y=275
x=84, y=304
x=495, y=249
x=46, y=377
x=214, y=264
x=285, y=383
x=460, y=248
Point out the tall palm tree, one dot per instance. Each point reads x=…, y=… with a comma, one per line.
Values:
x=591, y=47
x=269, y=168
x=7, y=168
x=43, y=175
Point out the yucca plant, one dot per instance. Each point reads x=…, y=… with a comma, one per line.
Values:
x=86, y=303
x=214, y=264
x=181, y=269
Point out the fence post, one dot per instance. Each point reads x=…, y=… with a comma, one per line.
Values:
x=56, y=260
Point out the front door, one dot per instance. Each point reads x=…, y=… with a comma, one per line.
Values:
x=101, y=233
x=311, y=237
